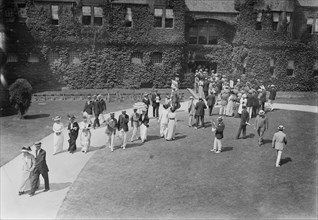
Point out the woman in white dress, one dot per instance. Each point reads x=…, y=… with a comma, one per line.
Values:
x=58, y=135
x=243, y=102
x=144, y=124
x=172, y=124
x=28, y=164
x=86, y=135
x=163, y=121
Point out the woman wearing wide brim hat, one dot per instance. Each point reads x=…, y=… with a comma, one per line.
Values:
x=58, y=137
x=28, y=164
x=261, y=125
x=279, y=142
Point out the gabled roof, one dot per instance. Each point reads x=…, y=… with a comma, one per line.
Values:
x=221, y=6
x=276, y=5
x=308, y=3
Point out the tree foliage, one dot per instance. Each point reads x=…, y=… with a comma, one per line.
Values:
x=20, y=95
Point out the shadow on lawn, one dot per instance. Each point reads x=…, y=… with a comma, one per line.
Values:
x=267, y=141
x=36, y=116
x=285, y=160
x=224, y=149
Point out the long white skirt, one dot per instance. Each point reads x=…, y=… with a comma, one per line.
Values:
x=58, y=143
x=163, y=129
x=143, y=132
x=171, y=131
x=25, y=181
x=85, y=140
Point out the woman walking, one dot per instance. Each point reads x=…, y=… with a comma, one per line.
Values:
x=85, y=137
x=191, y=111
x=143, y=120
x=172, y=124
x=28, y=164
x=230, y=105
x=58, y=135
x=163, y=121
x=72, y=128
x=243, y=102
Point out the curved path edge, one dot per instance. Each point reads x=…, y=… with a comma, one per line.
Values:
x=64, y=169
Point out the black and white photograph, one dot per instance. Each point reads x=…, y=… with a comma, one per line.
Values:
x=158, y=109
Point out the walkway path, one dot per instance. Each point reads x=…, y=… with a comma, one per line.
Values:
x=64, y=169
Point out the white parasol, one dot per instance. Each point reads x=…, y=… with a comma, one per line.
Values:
x=140, y=106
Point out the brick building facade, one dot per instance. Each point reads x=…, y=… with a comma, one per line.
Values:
x=145, y=43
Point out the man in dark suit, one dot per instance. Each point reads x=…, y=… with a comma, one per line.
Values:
x=206, y=84
x=155, y=99
x=97, y=110
x=73, y=129
x=88, y=109
x=122, y=123
x=210, y=102
x=146, y=100
x=199, y=113
x=244, y=122
x=40, y=168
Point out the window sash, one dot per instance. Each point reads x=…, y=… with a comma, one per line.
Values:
x=259, y=17
x=98, y=12
x=33, y=58
x=158, y=12
x=316, y=25
x=22, y=13
x=275, y=17
x=310, y=21
x=316, y=65
x=129, y=14
x=290, y=65
x=55, y=12
x=86, y=11
x=288, y=16
x=169, y=13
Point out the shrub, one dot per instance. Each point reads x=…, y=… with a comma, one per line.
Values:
x=20, y=95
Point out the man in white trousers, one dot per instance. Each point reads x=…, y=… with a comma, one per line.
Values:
x=134, y=122
x=278, y=143
x=123, y=120
x=111, y=126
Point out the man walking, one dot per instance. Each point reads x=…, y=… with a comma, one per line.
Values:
x=88, y=109
x=210, y=102
x=97, y=110
x=219, y=128
x=199, y=113
x=278, y=143
x=272, y=97
x=103, y=108
x=134, y=119
x=73, y=129
x=123, y=120
x=155, y=99
x=261, y=124
x=40, y=168
x=111, y=125
x=244, y=122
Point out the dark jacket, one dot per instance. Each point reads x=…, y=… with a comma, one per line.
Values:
x=199, y=108
x=123, y=122
x=249, y=99
x=143, y=119
x=74, y=130
x=244, y=117
x=103, y=105
x=88, y=108
x=40, y=162
x=206, y=86
x=97, y=107
x=153, y=98
x=146, y=101
x=219, y=130
x=272, y=94
x=210, y=99
x=263, y=96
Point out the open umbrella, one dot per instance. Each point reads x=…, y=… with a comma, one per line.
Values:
x=140, y=106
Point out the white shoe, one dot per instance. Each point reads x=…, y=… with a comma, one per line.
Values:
x=217, y=152
x=277, y=165
x=112, y=149
x=212, y=150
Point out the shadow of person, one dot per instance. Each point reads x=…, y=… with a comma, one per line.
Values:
x=152, y=137
x=59, y=186
x=251, y=135
x=267, y=141
x=285, y=160
x=180, y=137
x=224, y=149
x=92, y=148
x=36, y=116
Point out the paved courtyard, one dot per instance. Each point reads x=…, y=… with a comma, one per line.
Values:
x=181, y=178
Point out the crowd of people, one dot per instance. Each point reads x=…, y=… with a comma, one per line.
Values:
x=241, y=100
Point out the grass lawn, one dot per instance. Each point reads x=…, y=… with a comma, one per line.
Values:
x=182, y=178
x=16, y=133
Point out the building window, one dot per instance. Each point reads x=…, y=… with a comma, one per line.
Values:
x=22, y=14
x=137, y=58
x=9, y=14
x=12, y=58
x=156, y=57
x=272, y=67
x=290, y=68
x=206, y=34
x=158, y=17
x=169, y=18
x=316, y=25
x=259, y=21
x=33, y=58
x=53, y=57
x=310, y=22
x=288, y=16
x=55, y=14
x=315, y=70
x=86, y=15
x=275, y=20
x=98, y=16
x=128, y=18
x=74, y=57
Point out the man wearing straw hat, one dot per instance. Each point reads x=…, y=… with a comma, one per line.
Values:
x=111, y=126
x=261, y=124
x=244, y=122
x=219, y=128
x=279, y=142
x=40, y=168
x=123, y=121
x=272, y=96
x=28, y=164
x=97, y=110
